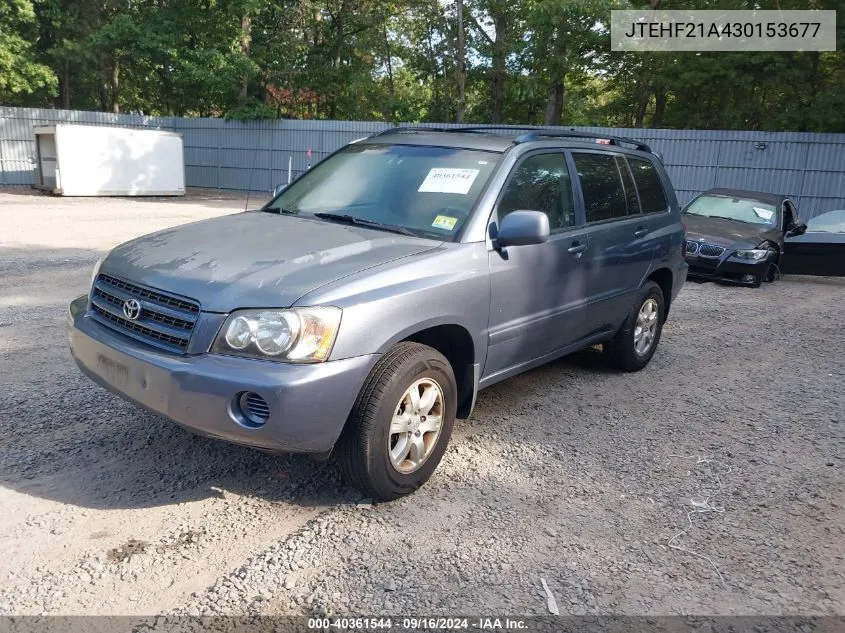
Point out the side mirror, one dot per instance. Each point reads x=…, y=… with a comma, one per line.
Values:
x=522, y=228
x=797, y=228
x=279, y=189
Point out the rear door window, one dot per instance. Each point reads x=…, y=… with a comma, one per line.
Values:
x=652, y=196
x=601, y=185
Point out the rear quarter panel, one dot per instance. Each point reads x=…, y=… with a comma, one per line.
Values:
x=669, y=234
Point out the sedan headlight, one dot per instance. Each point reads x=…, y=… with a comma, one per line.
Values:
x=298, y=335
x=753, y=254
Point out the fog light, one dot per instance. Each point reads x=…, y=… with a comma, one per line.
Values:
x=250, y=410
x=748, y=278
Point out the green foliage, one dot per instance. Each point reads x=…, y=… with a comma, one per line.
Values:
x=527, y=61
x=252, y=111
x=21, y=74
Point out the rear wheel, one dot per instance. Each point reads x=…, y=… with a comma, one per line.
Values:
x=636, y=341
x=400, y=425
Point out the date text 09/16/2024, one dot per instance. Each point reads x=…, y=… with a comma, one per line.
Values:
x=418, y=623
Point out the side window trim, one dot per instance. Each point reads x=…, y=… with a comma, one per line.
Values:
x=579, y=217
x=581, y=207
x=621, y=164
x=793, y=210
x=577, y=192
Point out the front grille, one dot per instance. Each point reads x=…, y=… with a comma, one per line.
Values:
x=710, y=250
x=164, y=320
x=155, y=296
x=691, y=248
x=139, y=329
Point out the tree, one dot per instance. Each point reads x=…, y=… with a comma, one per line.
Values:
x=484, y=61
x=565, y=39
x=496, y=29
x=22, y=77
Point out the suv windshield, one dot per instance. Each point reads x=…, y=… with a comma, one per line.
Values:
x=426, y=191
x=742, y=209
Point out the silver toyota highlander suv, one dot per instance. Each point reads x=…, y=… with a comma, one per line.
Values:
x=363, y=308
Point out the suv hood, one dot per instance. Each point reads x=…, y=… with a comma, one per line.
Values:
x=727, y=233
x=255, y=259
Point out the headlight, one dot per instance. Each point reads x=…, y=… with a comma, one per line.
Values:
x=299, y=335
x=754, y=253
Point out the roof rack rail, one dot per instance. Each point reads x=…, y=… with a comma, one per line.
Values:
x=538, y=133
x=532, y=133
x=410, y=128
x=458, y=129
x=486, y=128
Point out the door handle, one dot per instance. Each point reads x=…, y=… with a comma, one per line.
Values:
x=640, y=231
x=576, y=248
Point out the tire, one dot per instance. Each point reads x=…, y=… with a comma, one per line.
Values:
x=771, y=270
x=622, y=352
x=366, y=444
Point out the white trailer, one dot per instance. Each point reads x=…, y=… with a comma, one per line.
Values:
x=94, y=160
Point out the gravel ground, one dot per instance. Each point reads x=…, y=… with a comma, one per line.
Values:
x=572, y=474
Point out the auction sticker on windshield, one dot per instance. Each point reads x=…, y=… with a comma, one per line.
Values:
x=444, y=222
x=766, y=214
x=448, y=180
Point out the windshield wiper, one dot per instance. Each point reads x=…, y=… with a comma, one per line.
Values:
x=282, y=210
x=351, y=219
x=724, y=217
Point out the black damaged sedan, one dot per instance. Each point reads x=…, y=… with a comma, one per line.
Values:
x=738, y=236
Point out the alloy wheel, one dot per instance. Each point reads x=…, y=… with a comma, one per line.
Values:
x=646, y=327
x=415, y=427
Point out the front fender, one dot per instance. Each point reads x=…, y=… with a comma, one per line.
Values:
x=414, y=326
x=447, y=286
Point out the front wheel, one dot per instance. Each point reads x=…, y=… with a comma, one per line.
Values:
x=636, y=341
x=772, y=271
x=401, y=422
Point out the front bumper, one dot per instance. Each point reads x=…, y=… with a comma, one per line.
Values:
x=308, y=404
x=727, y=268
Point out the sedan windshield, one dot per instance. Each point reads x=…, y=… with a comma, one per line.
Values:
x=424, y=191
x=830, y=222
x=742, y=209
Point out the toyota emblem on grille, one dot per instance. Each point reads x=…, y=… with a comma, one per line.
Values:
x=131, y=309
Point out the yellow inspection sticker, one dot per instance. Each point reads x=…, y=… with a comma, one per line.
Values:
x=444, y=222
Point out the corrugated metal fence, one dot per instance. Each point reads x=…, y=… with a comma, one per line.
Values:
x=256, y=155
